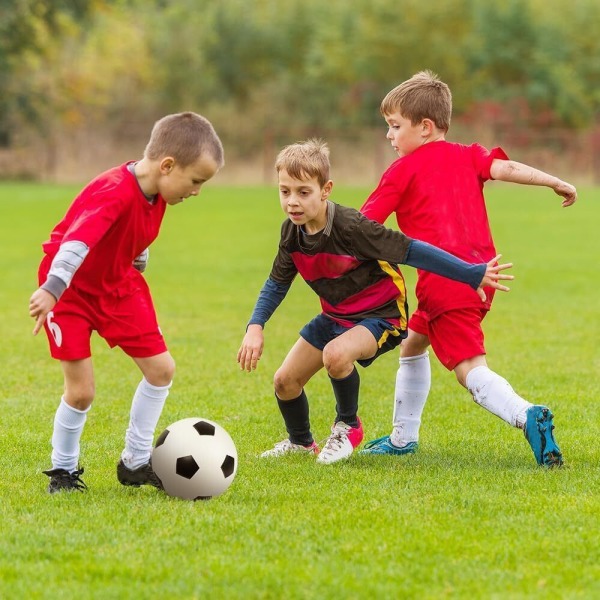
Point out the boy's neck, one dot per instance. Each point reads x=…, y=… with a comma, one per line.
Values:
x=145, y=172
x=438, y=136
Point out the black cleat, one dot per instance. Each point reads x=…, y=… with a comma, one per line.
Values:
x=61, y=480
x=143, y=475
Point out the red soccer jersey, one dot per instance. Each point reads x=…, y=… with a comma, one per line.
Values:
x=437, y=195
x=116, y=221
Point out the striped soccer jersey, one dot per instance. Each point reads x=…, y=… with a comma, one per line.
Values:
x=352, y=265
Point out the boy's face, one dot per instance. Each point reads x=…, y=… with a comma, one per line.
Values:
x=304, y=201
x=178, y=183
x=404, y=136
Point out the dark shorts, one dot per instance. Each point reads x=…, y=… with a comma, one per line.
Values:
x=321, y=330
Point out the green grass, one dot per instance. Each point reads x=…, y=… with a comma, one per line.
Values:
x=469, y=516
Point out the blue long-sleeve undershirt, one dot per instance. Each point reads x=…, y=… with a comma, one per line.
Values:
x=422, y=255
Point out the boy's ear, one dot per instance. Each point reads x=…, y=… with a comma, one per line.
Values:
x=166, y=165
x=427, y=127
x=326, y=190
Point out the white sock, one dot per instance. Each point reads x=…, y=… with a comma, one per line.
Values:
x=495, y=394
x=68, y=426
x=413, y=381
x=146, y=408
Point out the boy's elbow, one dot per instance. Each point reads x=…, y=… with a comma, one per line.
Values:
x=498, y=169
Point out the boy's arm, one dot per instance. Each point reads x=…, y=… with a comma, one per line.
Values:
x=430, y=258
x=370, y=240
x=382, y=202
x=64, y=265
x=515, y=172
x=270, y=297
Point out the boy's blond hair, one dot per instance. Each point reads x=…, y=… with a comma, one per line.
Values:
x=423, y=96
x=185, y=137
x=304, y=160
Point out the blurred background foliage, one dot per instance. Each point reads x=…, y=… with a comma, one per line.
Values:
x=258, y=67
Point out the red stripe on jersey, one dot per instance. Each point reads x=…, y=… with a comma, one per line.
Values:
x=323, y=265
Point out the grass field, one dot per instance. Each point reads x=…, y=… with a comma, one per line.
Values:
x=469, y=516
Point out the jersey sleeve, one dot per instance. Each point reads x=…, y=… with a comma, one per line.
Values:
x=94, y=219
x=483, y=158
x=383, y=201
x=372, y=241
x=284, y=270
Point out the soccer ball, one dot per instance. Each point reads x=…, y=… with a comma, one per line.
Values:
x=195, y=459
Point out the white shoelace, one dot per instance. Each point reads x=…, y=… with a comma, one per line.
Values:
x=336, y=440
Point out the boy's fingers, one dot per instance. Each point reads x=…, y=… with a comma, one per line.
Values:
x=38, y=324
x=504, y=266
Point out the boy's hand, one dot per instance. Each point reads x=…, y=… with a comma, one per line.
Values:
x=140, y=262
x=251, y=349
x=492, y=275
x=567, y=191
x=40, y=304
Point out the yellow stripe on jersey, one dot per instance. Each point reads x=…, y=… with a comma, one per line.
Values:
x=398, y=280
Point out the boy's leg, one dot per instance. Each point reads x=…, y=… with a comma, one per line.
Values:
x=357, y=343
x=490, y=390
x=301, y=363
x=146, y=408
x=339, y=355
x=69, y=422
x=495, y=394
x=413, y=382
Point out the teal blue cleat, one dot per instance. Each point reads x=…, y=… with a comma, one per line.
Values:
x=538, y=432
x=383, y=445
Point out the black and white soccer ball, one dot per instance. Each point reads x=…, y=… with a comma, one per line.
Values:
x=195, y=459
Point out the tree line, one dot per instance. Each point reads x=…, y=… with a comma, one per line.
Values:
x=257, y=65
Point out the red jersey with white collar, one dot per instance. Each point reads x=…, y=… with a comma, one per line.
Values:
x=117, y=222
x=437, y=195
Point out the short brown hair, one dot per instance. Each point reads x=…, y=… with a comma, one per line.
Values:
x=306, y=159
x=423, y=96
x=184, y=136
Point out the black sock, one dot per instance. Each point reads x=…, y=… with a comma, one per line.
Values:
x=346, y=396
x=296, y=418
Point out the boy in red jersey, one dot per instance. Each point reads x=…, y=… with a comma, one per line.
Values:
x=90, y=280
x=351, y=264
x=436, y=190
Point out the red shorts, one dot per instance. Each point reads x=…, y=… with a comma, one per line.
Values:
x=128, y=322
x=455, y=335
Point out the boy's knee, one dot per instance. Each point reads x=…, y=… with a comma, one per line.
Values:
x=80, y=396
x=285, y=387
x=166, y=373
x=334, y=360
x=161, y=372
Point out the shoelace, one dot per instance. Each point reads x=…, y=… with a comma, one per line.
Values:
x=74, y=478
x=76, y=481
x=282, y=447
x=336, y=440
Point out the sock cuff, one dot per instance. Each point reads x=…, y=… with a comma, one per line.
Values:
x=158, y=388
x=299, y=398
x=353, y=373
x=409, y=359
x=72, y=408
x=476, y=372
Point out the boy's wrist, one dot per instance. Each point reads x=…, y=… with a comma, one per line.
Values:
x=54, y=286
